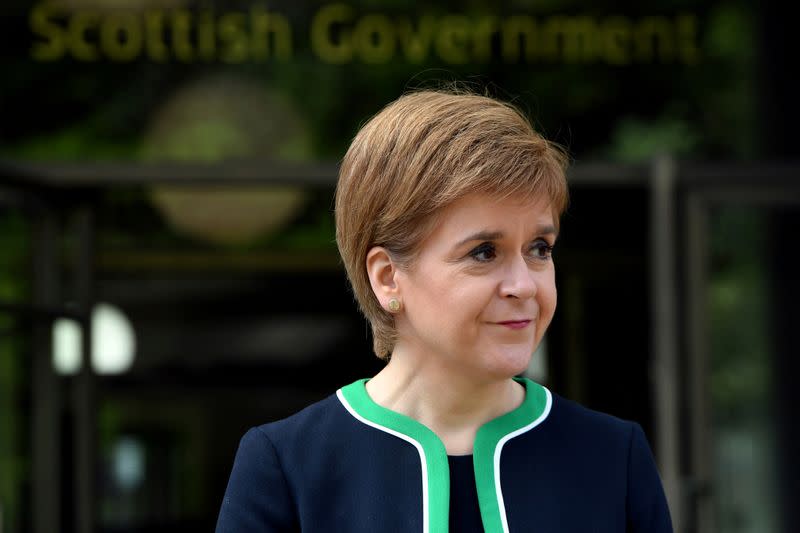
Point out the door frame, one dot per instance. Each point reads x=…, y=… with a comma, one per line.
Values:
x=702, y=188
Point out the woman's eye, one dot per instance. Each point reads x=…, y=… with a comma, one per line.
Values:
x=483, y=253
x=541, y=250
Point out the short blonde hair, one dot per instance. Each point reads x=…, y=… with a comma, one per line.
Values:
x=418, y=155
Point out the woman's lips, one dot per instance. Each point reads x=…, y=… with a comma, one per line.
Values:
x=515, y=324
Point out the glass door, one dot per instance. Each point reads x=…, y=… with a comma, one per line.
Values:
x=742, y=281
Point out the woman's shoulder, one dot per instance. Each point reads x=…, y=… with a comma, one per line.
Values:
x=613, y=447
x=578, y=423
x=311, y=420
x=270, y=458
x=568, y=411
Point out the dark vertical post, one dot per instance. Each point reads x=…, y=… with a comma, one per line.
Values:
x=779, y=114
x=785, y=270
x=698, y=502
x=83, y=389
x=46, y=390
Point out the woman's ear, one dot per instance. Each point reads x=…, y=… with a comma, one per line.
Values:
x=381, y=271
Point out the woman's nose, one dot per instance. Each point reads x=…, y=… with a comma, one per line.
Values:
x=519, y=281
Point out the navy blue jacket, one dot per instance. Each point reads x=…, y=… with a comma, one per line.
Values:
x=347, y=464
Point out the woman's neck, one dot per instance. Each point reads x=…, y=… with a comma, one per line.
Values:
x=451, y=404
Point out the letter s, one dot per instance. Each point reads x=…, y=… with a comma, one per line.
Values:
x=41, y=25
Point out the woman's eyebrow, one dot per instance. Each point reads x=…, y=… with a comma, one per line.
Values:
x=548, y=229
x=481, y=236
x=486, y=235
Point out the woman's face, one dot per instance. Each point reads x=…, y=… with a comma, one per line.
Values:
x=482, y=291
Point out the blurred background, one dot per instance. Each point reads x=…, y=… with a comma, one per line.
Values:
x=169, y=276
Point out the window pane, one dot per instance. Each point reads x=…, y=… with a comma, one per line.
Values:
x=741, y=372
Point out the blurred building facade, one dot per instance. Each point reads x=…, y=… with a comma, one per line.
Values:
x=168, y=270
x=676, y=311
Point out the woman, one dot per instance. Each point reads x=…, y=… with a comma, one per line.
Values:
x=447, y=211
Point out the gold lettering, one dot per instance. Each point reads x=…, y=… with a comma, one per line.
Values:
x=580, y=44
x=154, y=36
x=206, y=35
x=181, y=45
x=267, y=25
x=484, y=28
x=616, y=40
x=322, y=41
x=416, y=44
x=689, y=52
x=519, y=33
x=374, y=39
x=338, y=36
x=451, y=41
x=570, y=36
x=654, y=36
x=233, y=38
x=121, y=37
x=54, y=47
x=80, y=22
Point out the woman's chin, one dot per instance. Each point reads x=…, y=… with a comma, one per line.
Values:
x=509, y=361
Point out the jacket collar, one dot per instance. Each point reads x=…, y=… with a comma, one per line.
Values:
x=487, y=450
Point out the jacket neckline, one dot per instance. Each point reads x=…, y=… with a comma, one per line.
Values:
x=487, y=450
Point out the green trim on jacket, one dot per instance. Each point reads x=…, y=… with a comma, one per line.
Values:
x=488, y=447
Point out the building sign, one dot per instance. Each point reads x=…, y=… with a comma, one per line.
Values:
x=338, y=33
